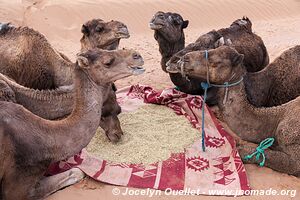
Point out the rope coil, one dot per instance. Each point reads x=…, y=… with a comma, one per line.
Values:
x=260, y=151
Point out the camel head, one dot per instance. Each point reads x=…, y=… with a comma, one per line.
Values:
x=243, y=23
x=169, y=25
x=104, y=66
x=104, y=35
x=221, y=65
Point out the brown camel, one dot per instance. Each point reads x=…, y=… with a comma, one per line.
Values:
x=240, y=36
x=252, y=124
x=44, y=59
x=30, y=143
x=276, y=84
x=58, y=103
x=45, y=68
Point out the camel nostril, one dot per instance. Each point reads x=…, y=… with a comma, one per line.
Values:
x=136, y=56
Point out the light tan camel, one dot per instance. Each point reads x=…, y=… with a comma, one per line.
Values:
x=28, y=143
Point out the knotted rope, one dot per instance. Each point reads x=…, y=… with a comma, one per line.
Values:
x=260, y=151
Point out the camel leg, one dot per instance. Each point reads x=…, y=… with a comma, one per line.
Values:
x=16, y=186
x=277, y=160
x=51, y=184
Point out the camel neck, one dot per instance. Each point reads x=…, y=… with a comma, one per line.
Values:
x=63, y=68
x=88, y=95
x=76, y=131
x=168, y=48
x=250, y=123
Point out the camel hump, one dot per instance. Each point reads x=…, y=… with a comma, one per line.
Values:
x=4, y=27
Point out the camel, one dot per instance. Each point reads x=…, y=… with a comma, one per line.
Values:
x=58, y=103
x=168, y=31
x=251, y=124
x=24, y=48
x=240, y=36
x=30, y=143
x=276, y=84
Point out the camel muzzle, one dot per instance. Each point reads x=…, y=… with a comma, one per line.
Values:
x=172, y=67
x=137, y=70
x=123, y=33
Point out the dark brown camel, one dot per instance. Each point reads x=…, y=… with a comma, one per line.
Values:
x=168, y=31
x=29, y=143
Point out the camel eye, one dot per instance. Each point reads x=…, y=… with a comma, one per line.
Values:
x=99, y=29
x=177, y=21
x=161, y=16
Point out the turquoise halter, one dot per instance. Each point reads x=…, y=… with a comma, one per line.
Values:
x=205, y=86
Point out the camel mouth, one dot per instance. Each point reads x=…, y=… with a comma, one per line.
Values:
x=172, y=68
x=156, y=26
x=122, y=33
x=137, y=70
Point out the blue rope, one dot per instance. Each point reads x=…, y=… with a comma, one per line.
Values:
x=226, y=84
x=260, y=151
x=205, y=86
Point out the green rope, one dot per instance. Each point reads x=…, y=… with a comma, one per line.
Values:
x=260, y=151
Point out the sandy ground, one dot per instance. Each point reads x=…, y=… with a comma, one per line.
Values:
x=277, y=22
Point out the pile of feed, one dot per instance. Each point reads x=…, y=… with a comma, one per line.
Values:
x=151, y=134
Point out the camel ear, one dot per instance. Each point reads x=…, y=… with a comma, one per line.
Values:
x=219, y=42
x=237, y=59
x=228, y=42
x=82, y=61
x=85, y=30
x=185, y=24
x=107, y=59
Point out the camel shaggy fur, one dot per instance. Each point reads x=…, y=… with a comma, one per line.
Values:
x=30, y=143
x=276, y=84
x=252, y=124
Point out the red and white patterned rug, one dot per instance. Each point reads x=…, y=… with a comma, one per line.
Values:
x=218, y=168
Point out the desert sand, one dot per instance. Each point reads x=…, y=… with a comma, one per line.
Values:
x=277, y=22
